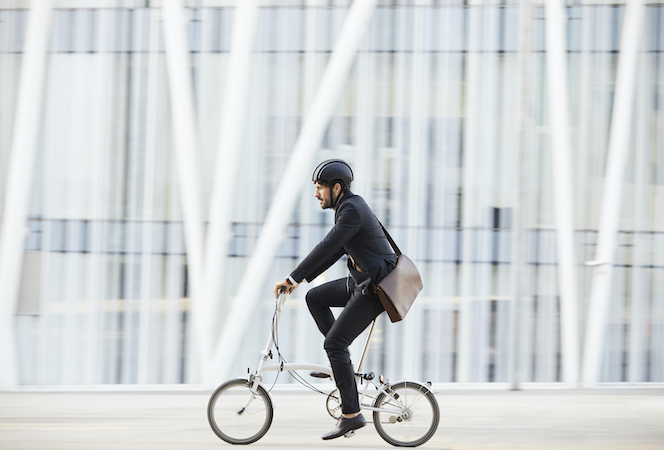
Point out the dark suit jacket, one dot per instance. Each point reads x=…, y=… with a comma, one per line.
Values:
x=358, y=233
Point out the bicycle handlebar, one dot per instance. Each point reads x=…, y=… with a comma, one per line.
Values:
x=282, y=298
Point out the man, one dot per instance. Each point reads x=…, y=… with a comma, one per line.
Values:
x=358, y=234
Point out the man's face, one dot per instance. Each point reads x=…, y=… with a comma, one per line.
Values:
x=323, y=195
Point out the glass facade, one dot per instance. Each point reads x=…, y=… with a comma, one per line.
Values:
x=429, y=122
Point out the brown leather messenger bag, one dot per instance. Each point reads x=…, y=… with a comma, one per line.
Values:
x=398, y=290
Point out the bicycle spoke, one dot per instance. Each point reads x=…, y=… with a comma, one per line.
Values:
x=416, y=422
x=236, y=420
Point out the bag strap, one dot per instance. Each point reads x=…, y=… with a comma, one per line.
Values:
x=373, y=286
x=389, y=239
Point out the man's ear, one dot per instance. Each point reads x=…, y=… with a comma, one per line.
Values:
x=337, y=188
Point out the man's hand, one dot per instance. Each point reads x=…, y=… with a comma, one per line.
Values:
x=286, y=284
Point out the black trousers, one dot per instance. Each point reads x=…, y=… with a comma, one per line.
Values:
x=359, y=310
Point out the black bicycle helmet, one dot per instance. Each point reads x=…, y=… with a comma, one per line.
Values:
x=333, y=170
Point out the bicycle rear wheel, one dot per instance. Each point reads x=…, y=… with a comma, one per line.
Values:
x=237, y=415
x=417, y=419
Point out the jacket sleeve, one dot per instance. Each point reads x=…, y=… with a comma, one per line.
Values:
x=331, y=248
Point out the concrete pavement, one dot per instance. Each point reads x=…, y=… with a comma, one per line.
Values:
x=630, y=419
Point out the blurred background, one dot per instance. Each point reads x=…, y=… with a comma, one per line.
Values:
x=513, y=149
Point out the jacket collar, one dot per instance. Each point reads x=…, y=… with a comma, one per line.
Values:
x=345, y=197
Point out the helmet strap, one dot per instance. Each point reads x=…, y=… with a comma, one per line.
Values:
x=334, y=202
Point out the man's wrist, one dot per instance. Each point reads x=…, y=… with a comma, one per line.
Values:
x=290, y=280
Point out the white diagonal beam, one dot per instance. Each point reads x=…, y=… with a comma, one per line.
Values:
x=621, y=120
x=296, y=174
x=19, y=181
x=556, y=55
x=232, y=128
x=178, y=65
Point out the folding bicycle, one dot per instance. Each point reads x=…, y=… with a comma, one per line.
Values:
x=405, y=413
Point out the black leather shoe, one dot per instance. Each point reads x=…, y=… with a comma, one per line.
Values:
x=344, y=425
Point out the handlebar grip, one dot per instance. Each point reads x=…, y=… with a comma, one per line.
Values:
x=282, y=289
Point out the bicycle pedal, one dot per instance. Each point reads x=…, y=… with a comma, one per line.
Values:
x=350, y=434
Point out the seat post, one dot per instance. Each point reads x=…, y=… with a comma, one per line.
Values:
x=366, y=345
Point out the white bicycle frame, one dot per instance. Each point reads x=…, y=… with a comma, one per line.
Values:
x=264, y=366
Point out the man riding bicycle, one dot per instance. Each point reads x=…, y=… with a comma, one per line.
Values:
x=358, y=234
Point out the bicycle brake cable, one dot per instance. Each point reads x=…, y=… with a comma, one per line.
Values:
x=276, y=345
x=296, y=376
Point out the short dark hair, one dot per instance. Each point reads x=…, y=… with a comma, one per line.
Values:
x=345, y=187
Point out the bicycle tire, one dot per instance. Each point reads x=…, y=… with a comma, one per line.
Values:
x=417, y=423
x=233, y=423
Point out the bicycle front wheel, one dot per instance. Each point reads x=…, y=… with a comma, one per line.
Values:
x=237, y=415
x=411, y=414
